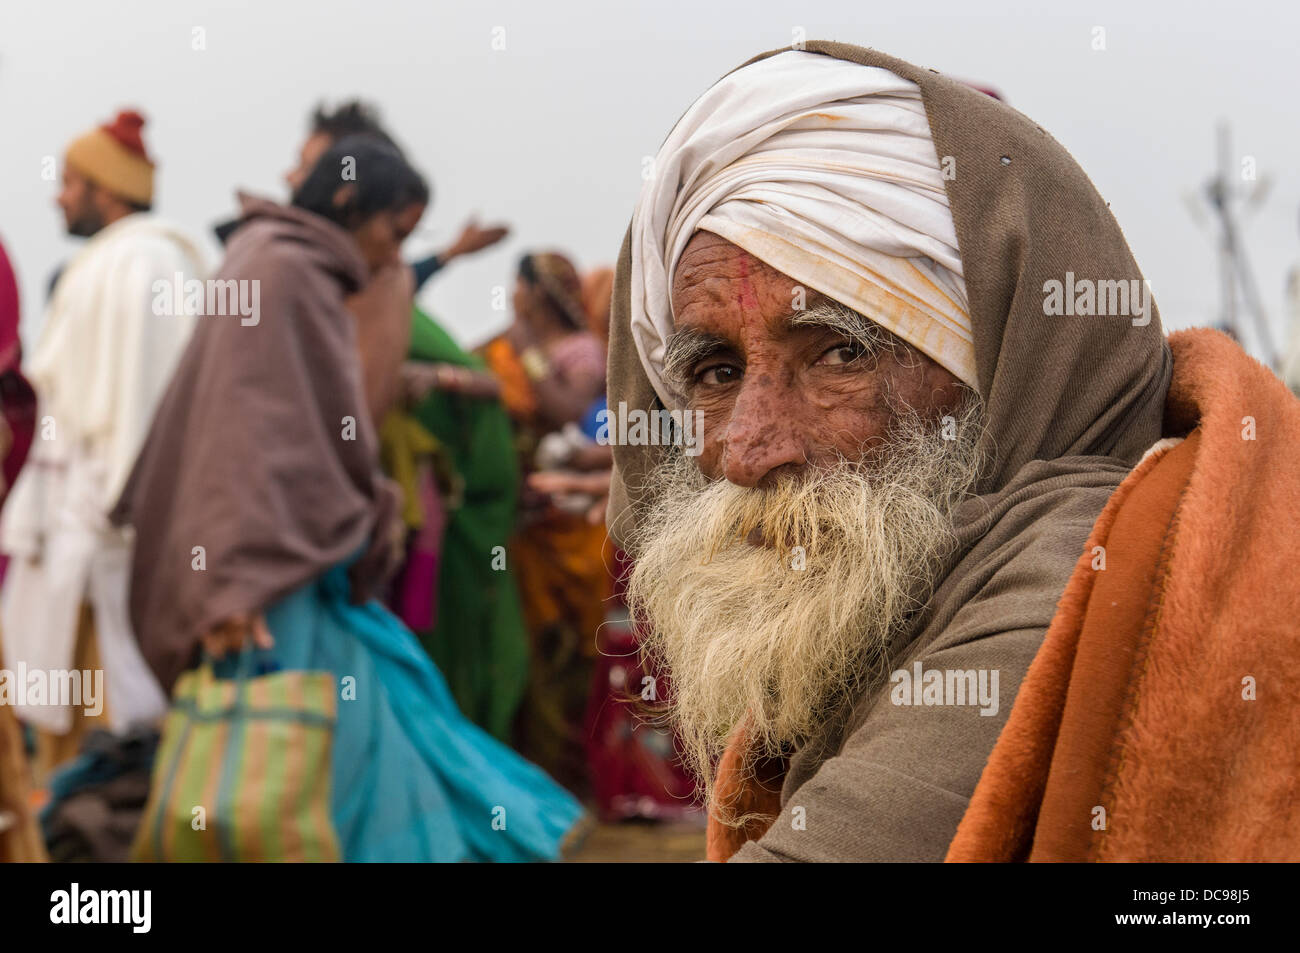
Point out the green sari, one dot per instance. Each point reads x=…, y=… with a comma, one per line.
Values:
x=478, y=639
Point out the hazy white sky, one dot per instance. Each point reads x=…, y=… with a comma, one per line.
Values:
x=549, y=134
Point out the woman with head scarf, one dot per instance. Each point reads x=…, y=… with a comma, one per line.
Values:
x=261, y=517
x=551, y=363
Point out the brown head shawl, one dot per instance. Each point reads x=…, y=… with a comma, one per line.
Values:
x=1072, y=403
x=260, y=471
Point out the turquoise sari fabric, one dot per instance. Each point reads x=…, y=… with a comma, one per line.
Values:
x=413, y=779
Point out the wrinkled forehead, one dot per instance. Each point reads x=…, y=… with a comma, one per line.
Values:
x=710, y=265
x=714, y=274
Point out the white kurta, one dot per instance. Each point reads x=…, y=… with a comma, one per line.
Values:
x=100, y=367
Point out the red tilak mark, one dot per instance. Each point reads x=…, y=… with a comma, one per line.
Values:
x=746, y=299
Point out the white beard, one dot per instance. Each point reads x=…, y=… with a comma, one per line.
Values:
x=745, y=634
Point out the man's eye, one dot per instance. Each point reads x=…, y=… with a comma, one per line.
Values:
x=841, y=354
x=717, y=375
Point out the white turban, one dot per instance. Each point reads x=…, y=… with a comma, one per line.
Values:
x=826, y=171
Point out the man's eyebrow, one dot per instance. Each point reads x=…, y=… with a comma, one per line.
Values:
x=686, y=347
x=832, y=315
x=854, y=326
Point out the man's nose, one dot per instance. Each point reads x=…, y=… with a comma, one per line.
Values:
x=766, y=431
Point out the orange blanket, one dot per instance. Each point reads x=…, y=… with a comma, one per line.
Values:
x=1161, y=718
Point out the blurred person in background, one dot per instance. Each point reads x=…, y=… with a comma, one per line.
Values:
x=552, y=369
x=635, y=767
x=106, y=350
x=301, y=528
x=17, y=399
x=450, y=445
x=19, y=836
x=357, y=118
x=446, y=440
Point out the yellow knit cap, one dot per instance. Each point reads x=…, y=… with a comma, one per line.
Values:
x=113, y=156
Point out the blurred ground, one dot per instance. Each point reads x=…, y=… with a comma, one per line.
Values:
x=673, y=842
x=628, y=842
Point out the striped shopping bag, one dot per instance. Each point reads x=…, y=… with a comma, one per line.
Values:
x=243, y=770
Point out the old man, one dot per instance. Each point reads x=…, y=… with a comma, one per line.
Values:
x=912, y=468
